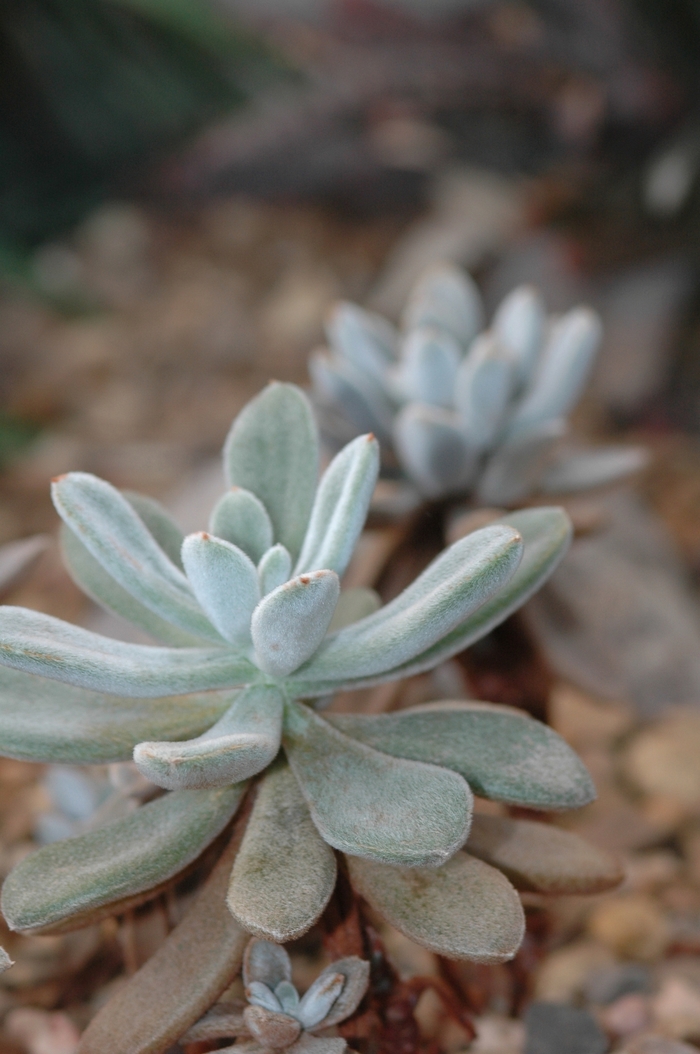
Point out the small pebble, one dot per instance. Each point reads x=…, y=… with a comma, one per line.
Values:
x=631, y=925
x=676, y=1009
x=555, y=1028
x=627, y=1015
x=657, y=1045
x=608, y=985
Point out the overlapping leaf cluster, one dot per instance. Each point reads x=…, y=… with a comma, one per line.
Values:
x=467, y=410
x=254, y=626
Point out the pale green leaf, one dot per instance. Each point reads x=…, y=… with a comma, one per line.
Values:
x=363, y=338
x=593, y=468
x=284, y=873
x=340, y=508
x=75, y=877
x=364, y=803
x=446, y=297
x=240, y=517
x=428, y=367
x=360, y=399
x=464, y=910
x=483, y=388
x=519, y=323
x=289, y=624
x=225, y=582
x=159, y=522
x=356, y=974
x=241, y=743
x=274, y=569
x=434, y=449
x=354, y=604
x=272, y=450
x=267, y=962
x=502, y=753
x=320, y=997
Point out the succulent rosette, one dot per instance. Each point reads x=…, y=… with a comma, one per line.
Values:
x=256, y=633
x=464, y=410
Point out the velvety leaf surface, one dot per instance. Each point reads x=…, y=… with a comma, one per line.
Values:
x=78, y=875
x=434, y=450
x=225, y=1019
x=289, y=624
x=115, y=535
x=274, y=568
x=449, y=299
x=272, y=450
x=41, y=644
x=363, y=338
x=284, y=873
x=594, y=468
x=456, y=583
x=484, y=385
x=340, y=508
x=356, y=974
x=242, y=743
x=240, y=517
x=502, y=753
x=363, y=402
x=225, y=582
x=320, y=997
x=90, y=575
x=516, y=468
x=199, y=959
x=159, y=522
x=43, y=720
x=541, y=858
x=273, y=1029
x=5, y=961
x=519, y=323
x=430, y=359
x=266, y=962
x=354, y=604
x=465, y=909
x=364, y=803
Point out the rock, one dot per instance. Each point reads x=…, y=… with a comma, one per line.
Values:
x=497, y=1035
x=566, y=973
x=663, y=759
x=651, y=1044
x=676, y=1009
x=555, y=1028
x=647, y=872
x=626, y=1016
x=585, y=721
x=612, y=983
x=631, y=925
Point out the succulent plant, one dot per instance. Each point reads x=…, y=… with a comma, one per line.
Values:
x=276, y=1017
x=467, y=410
x=257, y=635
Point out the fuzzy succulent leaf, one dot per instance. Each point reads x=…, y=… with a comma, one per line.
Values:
x=5, y=961
x=465, y=910
x=241, y=518
x=274, y=568
x=37, y=643
x=364, y=338
x=483, y=387
x=428, y=367
x=356, y=974
x=447, y=298
x=289, y=624
x=364, y=404
x=90, y=575
x=502, y=753
x=434, y=449
x=266, y=962
x=516, y=467
x=284, y=873
x=320, y=997
x=288, y=997
x=340, y=507
x=519, y=323
x=593, y=468
x=73, y=879
x=396, y=811
x=115, y=535
x=225, y=582
x=159, y=522
x=272, y=1029
x=354, y=604
x=272, y=450
x=456, y=583
x=260, y=994
x=541, y=858
x=562, y=370
x=45, y=720
x=243, y=742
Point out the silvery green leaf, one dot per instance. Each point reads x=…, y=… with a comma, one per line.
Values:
x=37, y=643
x=79, y=876
x=320, y=997
x=340, y=507
x=284, y=872
x=242, y=743
x=354, y=604
x=484, y=385
x=115, y=535
x=356, y=974
x=258, y=993
x=5, y=961
x=360, y=400
x=464, y=910
x=515, y=468
x=562, y=371
x=90, y=575
x=546, y=533
x=288, y=997
x=225, y=582
x=455, y=584
x=363, y=338
x=519, y=323
x=434, y=450
x=289, y=624
x=427, y=368
x=594, y=468
x=446, y=297
x=502, y=753
x=267, y=962
x=159, y=522
x=541, y=858
x=272, y=450
x=274, y=569
x=240, y=517
x=362, y=802
x=43, y=720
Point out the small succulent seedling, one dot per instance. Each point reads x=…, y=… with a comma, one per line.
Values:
x=276, y=1018
x=467, y=411
x=256, y=634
